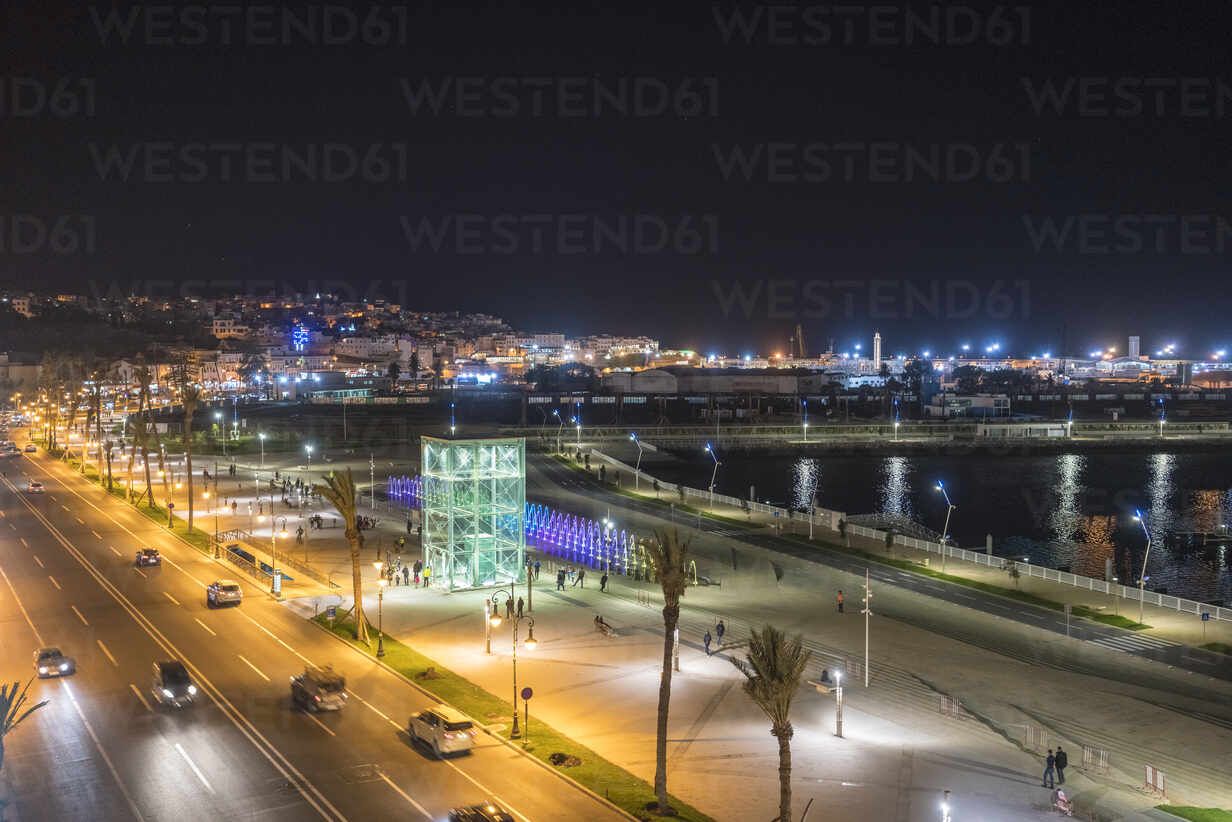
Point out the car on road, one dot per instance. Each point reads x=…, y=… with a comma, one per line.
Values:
x=223, y=592
x=31, y=449
x=51, y=662
x=34, y=487
x=443, y=729
x=319, y=689
x=487, y=812
x=149, y=556
x=171, y=684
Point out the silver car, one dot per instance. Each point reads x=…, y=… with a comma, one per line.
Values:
x=50, y=662
x=223, y=592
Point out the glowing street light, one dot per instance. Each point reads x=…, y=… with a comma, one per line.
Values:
x=637, y=469
x=1141, y=520
x=714, y=473
x=804, y=424
x=308, y=450
x=945, y=531
x=261, y=437
x=556, y=413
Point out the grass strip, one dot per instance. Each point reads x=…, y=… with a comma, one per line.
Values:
x=1218, y=647
x=610, y=781
x=1195, y=814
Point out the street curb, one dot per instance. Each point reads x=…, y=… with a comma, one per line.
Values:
x=507, y=743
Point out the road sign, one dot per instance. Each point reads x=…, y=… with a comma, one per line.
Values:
x=1206, y=617
x=527, y=693
x=331, y=613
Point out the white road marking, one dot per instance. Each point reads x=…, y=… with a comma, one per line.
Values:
x=39, y=561
x=254, y=667
x=140, y=696
x=194, y=767
x=62, y=505
x=23, y=542
x=138, y=570
x=320, y=724
x=173, y=599
x=81, y=521
x=114, y=551
x=132, y=806
x=79, y=616
x=108, y=653
x=206, y=627
x=53, y=582
x=17, y=599
x=487, y=792
x=95, y=533
x=404, y=795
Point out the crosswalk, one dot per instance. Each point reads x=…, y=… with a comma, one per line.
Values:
x=1133, y=644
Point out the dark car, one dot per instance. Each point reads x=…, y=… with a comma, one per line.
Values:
x=149, y=556
x=171, y=684
x=319, y=689
x=487, y=812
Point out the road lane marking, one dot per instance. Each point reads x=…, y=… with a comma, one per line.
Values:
x=14, y=527
x=23, y=542
x=141, y=696
x=132, y=806
x=138, y=570
x=17, y=599
x=194, y=767
x=320, y=724
x=65, y=507
x=206, y=627
x=487, y=792
x=81, y=521
x=254, y=667
x=173, y=599
x=114, y=551
x=79, y=616
x=39, y=561
x=53, y=582
x=404, y=795
x=108, y=653
x=95, y=533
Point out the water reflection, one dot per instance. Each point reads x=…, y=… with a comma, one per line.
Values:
x=806, y=478
x=896, y=487
x=1066, y=519
x=1160, y=491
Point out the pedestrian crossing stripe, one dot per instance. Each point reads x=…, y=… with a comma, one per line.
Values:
x=1131, y=644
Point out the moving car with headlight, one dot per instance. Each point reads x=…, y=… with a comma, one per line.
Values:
x=172, y=685
x=50, y=662
x=223, y=592
x=34, y=487
x=319, y=689
x=444, y=729
x=487, y=812
x=149, y=556
x=31, y=449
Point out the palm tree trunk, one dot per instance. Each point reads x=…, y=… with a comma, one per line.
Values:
x=361, y=624
x=149, y=490
x=671, y=616
x=132, y=456
x=108, y=470
x=784, y=735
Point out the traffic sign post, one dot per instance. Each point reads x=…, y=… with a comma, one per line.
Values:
x=527, y=693
x=1068, y=608
x=1206, y=617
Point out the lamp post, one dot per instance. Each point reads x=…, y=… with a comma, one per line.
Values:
x=556, y=413
x=838, y=704
x=945, y=531
x=308, y=449
x=868, y=612
x=274, y=534
x=218, y=425
x=494, y=620
x=381, y=582
x=637, y=469
x=1142, y=577
x=804, y=418
x=261, y=437
x=714, y=473
x=577, y=423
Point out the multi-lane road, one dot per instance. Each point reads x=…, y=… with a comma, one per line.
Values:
x=103, y=750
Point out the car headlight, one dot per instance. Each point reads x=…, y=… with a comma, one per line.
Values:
x=63, y=666
x=42, y=669
x=192, y=689
x=167, y=693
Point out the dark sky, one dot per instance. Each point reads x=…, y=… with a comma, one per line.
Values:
x=789, y=176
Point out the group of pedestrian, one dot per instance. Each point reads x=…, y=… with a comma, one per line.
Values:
x=575, y=577
x=719, y=629
x=1057, y=762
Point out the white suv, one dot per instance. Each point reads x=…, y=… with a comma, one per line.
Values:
x=222, y=592
x=445, y=729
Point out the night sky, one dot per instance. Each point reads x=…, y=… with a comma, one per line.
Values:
x=770, y=188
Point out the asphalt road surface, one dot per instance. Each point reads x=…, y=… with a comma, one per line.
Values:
x=103, y=749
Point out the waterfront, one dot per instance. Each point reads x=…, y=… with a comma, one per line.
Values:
x=1070, y=510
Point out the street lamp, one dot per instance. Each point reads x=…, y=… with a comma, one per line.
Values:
x=274, y=535
x=804, y=418
x=218, y=423
x=637, y=469
x=556, y=413
x=714, y=473
x=308, y=449
x=261, y=437
x=494, y=620
x=577, y=422
x=381, y=582
x=838, y=704
x=1142, y=577
x=945, y=531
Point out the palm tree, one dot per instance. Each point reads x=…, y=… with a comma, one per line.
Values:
x=11, y=713
x=107, y=451
x=670, y=555
x=339, y=489
x=773, y=669
x=190, y=396
x=142, y=434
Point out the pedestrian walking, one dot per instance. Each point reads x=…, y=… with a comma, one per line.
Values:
x=706, y=640
x=581, y=578
x=560, y=580
x=603, y=582
x=536, y=569
x=418, y=568
x=840, y=600
x=406, y=575
x=427, y=573
x=719, y=630
x=408, y=526
x=509, y=609
x=1061, y=763
x=521, y=605
x=1049, y=764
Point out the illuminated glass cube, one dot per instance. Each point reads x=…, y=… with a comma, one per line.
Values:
x=474, y=496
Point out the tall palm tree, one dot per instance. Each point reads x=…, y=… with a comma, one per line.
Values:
x=339, y=489
x=141, y=441
x=190, y=396
x=773, y=669
x=670, y=555
x=11, y=713
x=107, y=446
